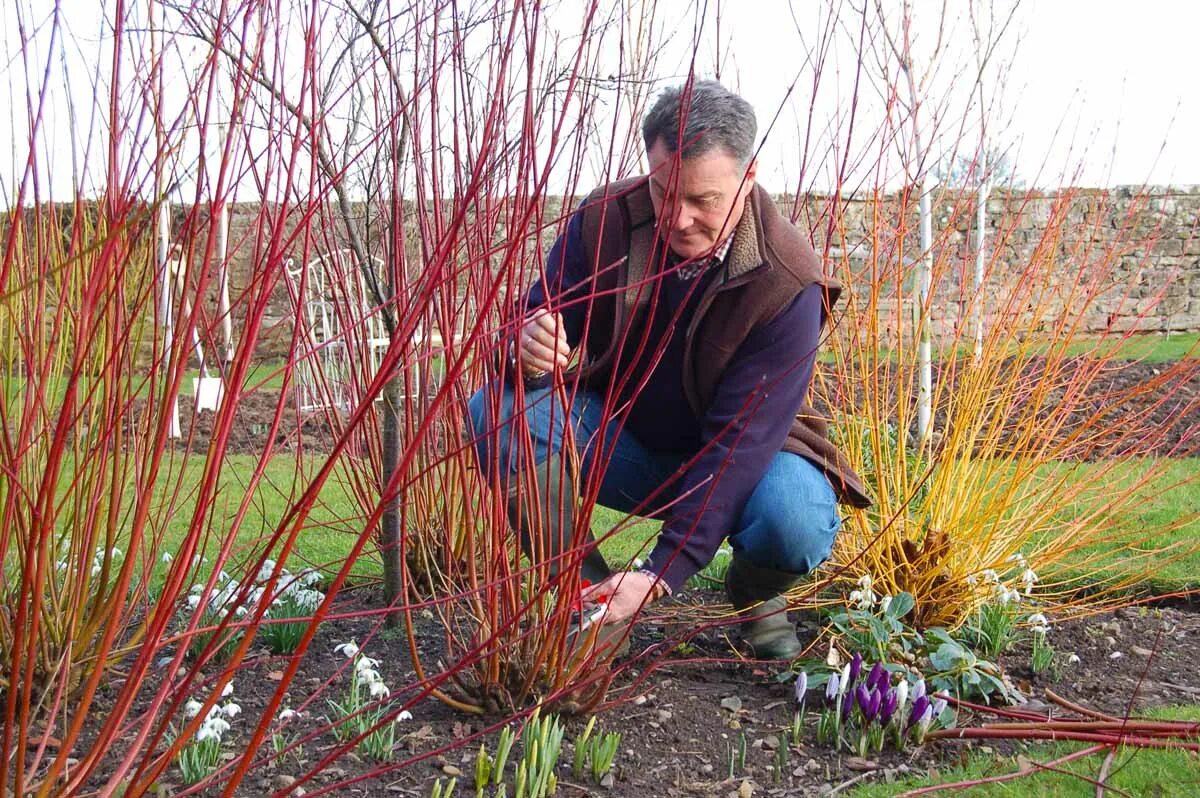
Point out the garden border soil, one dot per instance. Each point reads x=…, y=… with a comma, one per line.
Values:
x=680, y=728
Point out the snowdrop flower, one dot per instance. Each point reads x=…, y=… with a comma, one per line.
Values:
x=219, y=724
x=96, y=569
x=240, y=612
x=1073, y=659
x=405, y=715
x=379, y=690
x=192, y=708
x=115, y=554
x=369, y=676
x=223, y=576
x=972, y=580
x=231, y=710
x=884, y=603
x=310, y=577
x=287, y=714
x=1017, y=557
x=227, y=690
x=864, y=597
x=365, y=663
x=990, y=575
x=1039, y=623
x=166, y=557
x=207, y=732
x=1014, y=596
x=61, y=565
x=1029, y=579
x=347, y=649
x=193, y=601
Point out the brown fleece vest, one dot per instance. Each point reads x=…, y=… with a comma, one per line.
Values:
x=769, y=264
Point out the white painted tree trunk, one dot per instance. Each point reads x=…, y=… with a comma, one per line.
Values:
x=924, y=342
x=980, y=254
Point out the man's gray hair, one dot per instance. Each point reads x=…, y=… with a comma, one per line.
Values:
x=714, y=118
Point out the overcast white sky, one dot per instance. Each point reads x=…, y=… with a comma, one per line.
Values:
x=1097, y=93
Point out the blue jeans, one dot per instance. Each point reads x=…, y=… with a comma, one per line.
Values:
x=788, y=524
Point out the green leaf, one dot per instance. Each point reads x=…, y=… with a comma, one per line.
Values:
x=902, y=604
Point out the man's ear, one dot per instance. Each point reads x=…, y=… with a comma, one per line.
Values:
x=751, y=173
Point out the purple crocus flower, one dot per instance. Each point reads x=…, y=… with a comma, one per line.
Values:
x=877, y=678
x=801, y=687
x=920, y=706
x=831, y=688
x=855, y=668
x=918, y=689
x=862, y=697
x=887, y=707
x=848, y=703
x=873, y=705
x=939, y=704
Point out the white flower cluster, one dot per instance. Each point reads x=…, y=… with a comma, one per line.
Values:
x=216, y=722
x=229, y=595
x=1002, y=590
x=114, y=555
x=1038, y=623
x=366, y=671
x=865, y=597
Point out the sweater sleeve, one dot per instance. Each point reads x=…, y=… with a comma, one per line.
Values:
x=752, y=411
x=566, y=276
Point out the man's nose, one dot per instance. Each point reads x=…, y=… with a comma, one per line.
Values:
x=681, y=216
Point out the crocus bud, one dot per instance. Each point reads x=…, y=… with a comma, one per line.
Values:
x=873, y=705
x=848, y=704
x=801, y=687
x=855, y=668
x=938, y=705
x=877, y=678
x=863, y=697
x=887, y=707
x=918, y=690
x=845, y=683
x=832, y=688
x=901, y=695
x=920, y=706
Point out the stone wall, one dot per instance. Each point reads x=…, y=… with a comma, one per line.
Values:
x=1110, y=260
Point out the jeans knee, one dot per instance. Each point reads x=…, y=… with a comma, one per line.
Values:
x=489, y=414
x=796, y=542
x=791, y=520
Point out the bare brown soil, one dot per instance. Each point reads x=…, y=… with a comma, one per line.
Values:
x=677, y=737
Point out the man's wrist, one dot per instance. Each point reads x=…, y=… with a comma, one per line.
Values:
x=658, y=587
x=514, y=360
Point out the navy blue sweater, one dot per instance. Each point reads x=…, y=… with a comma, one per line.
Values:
x=756, y=400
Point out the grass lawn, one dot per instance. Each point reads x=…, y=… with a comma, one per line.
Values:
x=1133, y=771
x=332, y=528
x=1151, y=347
x=1153, y=516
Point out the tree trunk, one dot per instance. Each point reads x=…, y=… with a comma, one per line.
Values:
x=390, y=532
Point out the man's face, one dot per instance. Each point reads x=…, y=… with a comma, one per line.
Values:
x=698, y=201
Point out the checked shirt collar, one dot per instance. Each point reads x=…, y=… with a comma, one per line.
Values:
x=700, y=265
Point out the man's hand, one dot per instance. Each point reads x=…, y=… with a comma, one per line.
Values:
x=542, y=344
x=625, y=593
